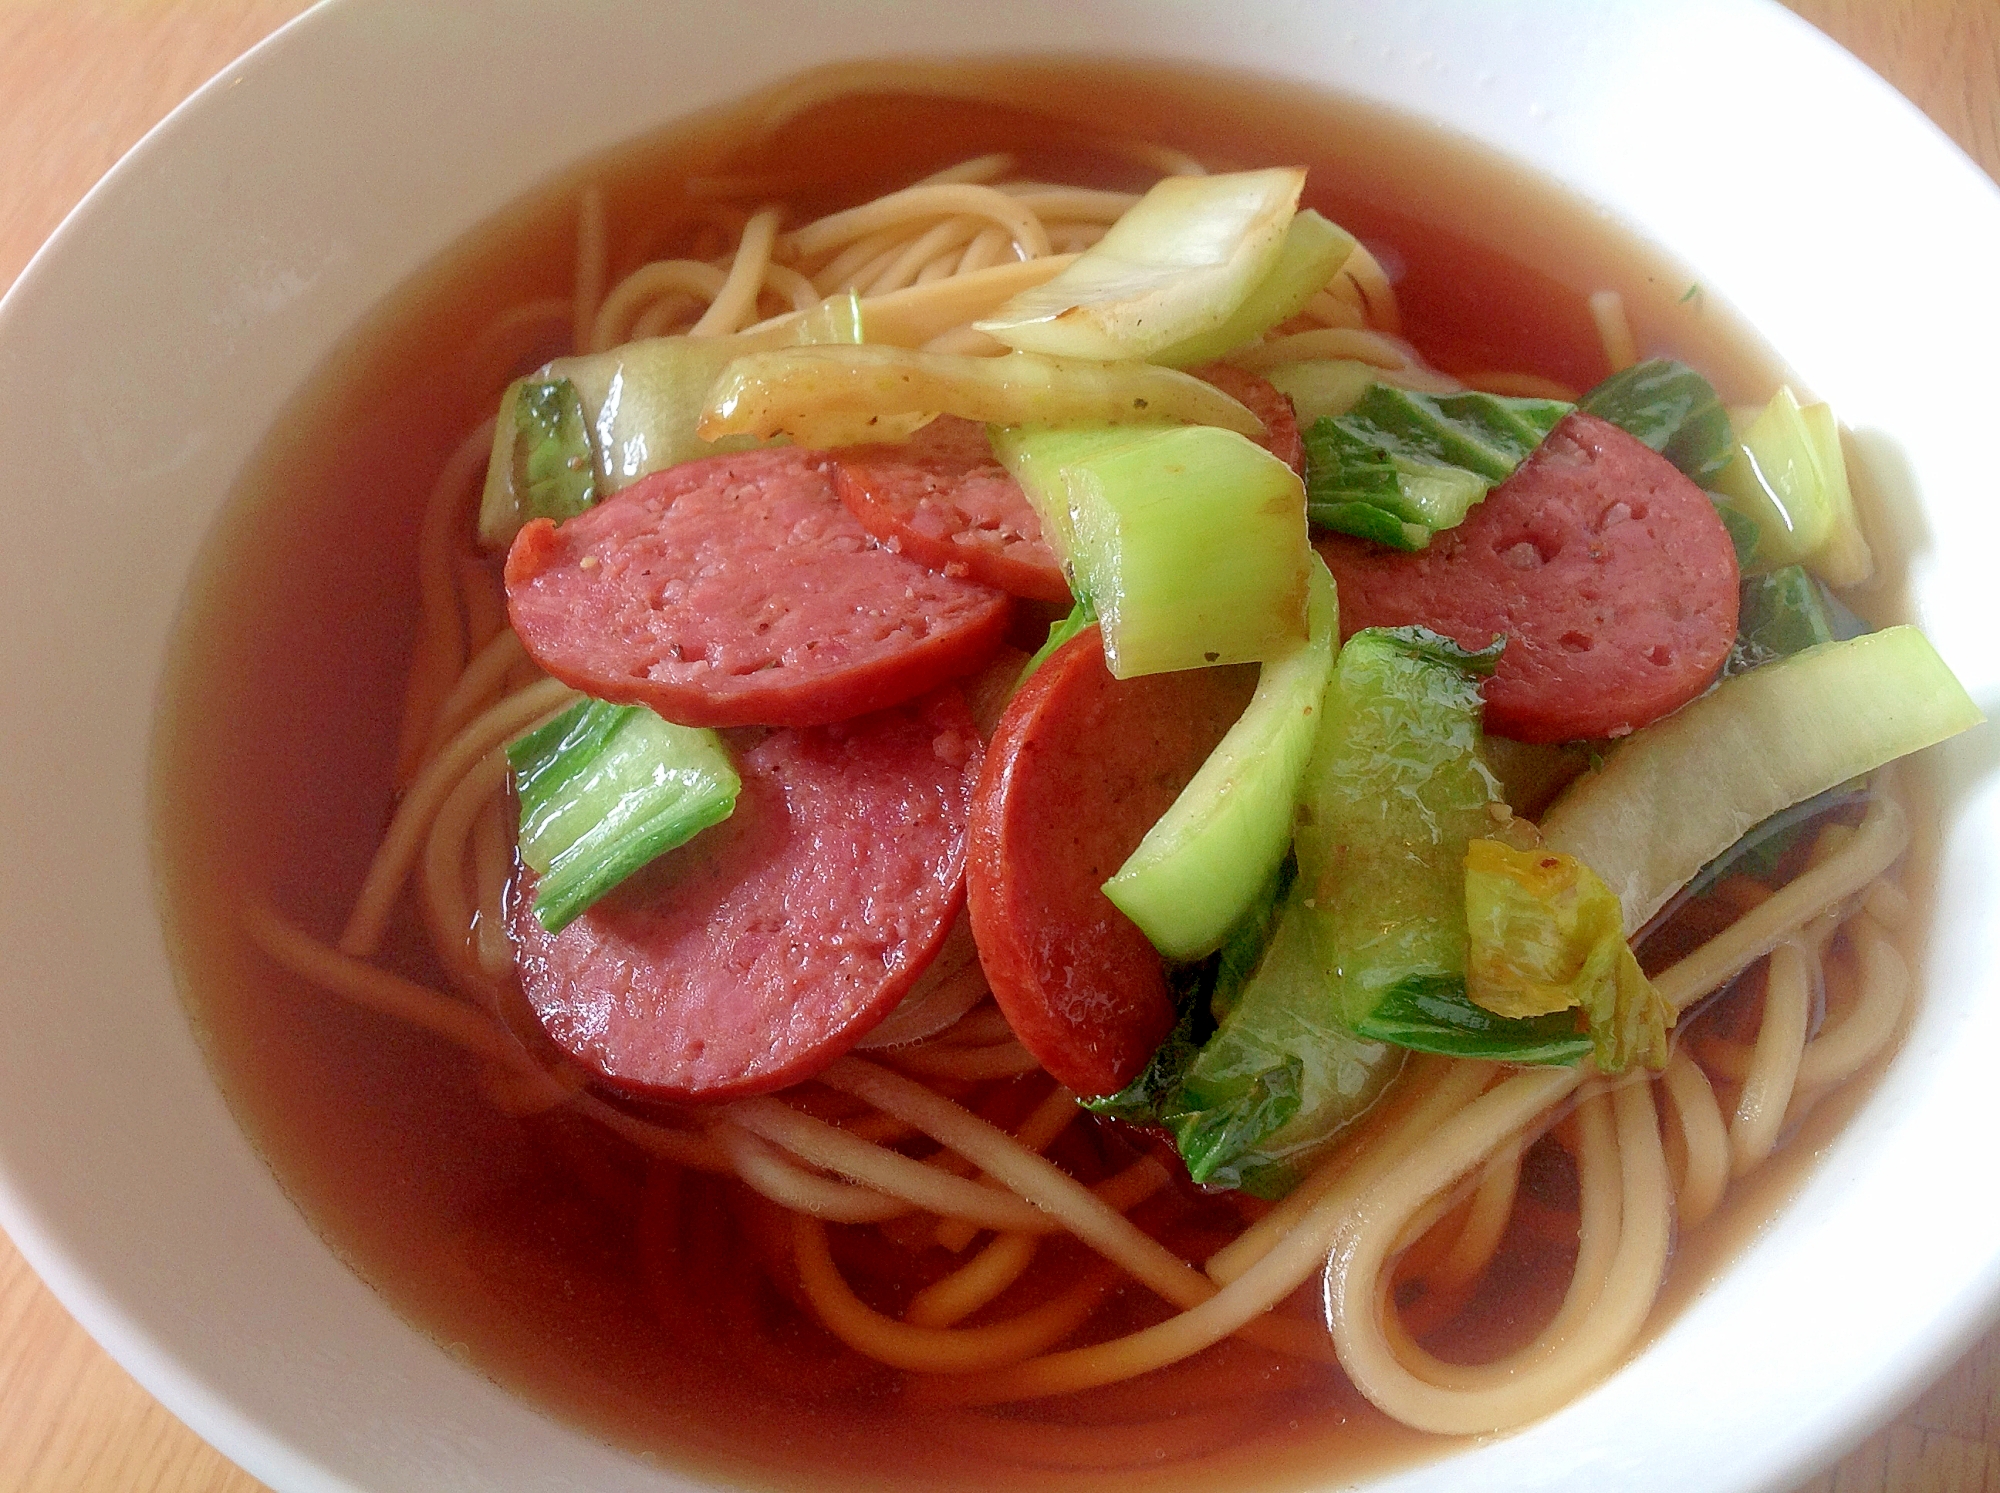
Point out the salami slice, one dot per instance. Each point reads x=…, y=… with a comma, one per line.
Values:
x=735, y=591
x=1079, y=769
x=945, y=501
x=764, y=948
x=1606, y=568
x=1262, y=398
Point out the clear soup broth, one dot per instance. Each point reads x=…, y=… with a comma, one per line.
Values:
x=653, y=1306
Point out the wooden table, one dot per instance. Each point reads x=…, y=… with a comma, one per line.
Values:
x=81, y=80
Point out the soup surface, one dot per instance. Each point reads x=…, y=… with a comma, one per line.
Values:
x=628, y=1297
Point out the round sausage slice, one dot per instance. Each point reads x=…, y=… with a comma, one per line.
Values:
x=1079, y=768
x=1606, y=568
x=764, y=948
x=1281, y=422
x=737, y=591
x=946, y=502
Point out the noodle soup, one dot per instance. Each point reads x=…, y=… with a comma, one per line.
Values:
x=665, y=1305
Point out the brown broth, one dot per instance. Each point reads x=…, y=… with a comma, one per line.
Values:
x=629, y=1301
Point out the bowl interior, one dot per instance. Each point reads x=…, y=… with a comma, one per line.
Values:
x=151, y=346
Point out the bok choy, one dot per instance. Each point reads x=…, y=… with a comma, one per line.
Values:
x=1399, y=466
x=1176, y=266
x=582, y=427
x=1189, y=541
x=1674, y=795
x=604, y=790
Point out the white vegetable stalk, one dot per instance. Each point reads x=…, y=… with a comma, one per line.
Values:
x=1176, y=266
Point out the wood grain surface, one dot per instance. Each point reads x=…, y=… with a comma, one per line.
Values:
x=81, y=80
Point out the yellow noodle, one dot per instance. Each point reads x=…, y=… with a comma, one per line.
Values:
x=1704, y=1136
x=404, y=838
x=1492, y=1204
x=1840, y=1051
x=980, y=171
x=592, y=265
x=1038, y=1132
x=734, y=305
x=988, y=248
x=783, y=280
x=888, y=1172
x=1607, y=309
x=981, y=1278
x=1600, y=1213
x=1436, y=1090
x=379, y=990
x=1363, y=279
x=1374, y=348
x=1522, y=1386
x=933, y=1349
x=447, y=906
x=839, y=272
x=1298, y=1253
x=765, y=1171
x=1882, y=836
x=914, y=204
x=664, y=277
x=1774, y=1066
x=492, y=859
x=477, y=687
x=967, y=343
x=440, y=650
x=483, y=600
x=1056, y=204
x=670, y=316
x=1889, y=905
x=947, y=237
x=1329, y=310
x=1007, y=1161
x=1074, y=238
x=1519, y=385
x=948, y=1060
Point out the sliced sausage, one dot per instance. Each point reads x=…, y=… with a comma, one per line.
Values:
x=1079, y=769
x=757, y=953
x=944, y=500
x=1607, y=570
x=1281, y=422
x=735, y=591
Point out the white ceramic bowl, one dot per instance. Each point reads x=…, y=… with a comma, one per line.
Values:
x=145, y=352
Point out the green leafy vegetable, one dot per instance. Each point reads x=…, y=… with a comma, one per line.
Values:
x=1434, y=1014
x=1393, y=794
x=555, y=475
x=1742, y=531
x=1419, y=460
x=605, y=789
x=1546, y=936
x=1281, y=1076
x=1674, y=795
x=634, y=412
x=1672, y=409
x=1783, y=612
x=1199, y=868
x=1189, y=540
x=1789, y=475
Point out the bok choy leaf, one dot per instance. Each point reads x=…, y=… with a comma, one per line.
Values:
x=1401, y=465
x=605, y=789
